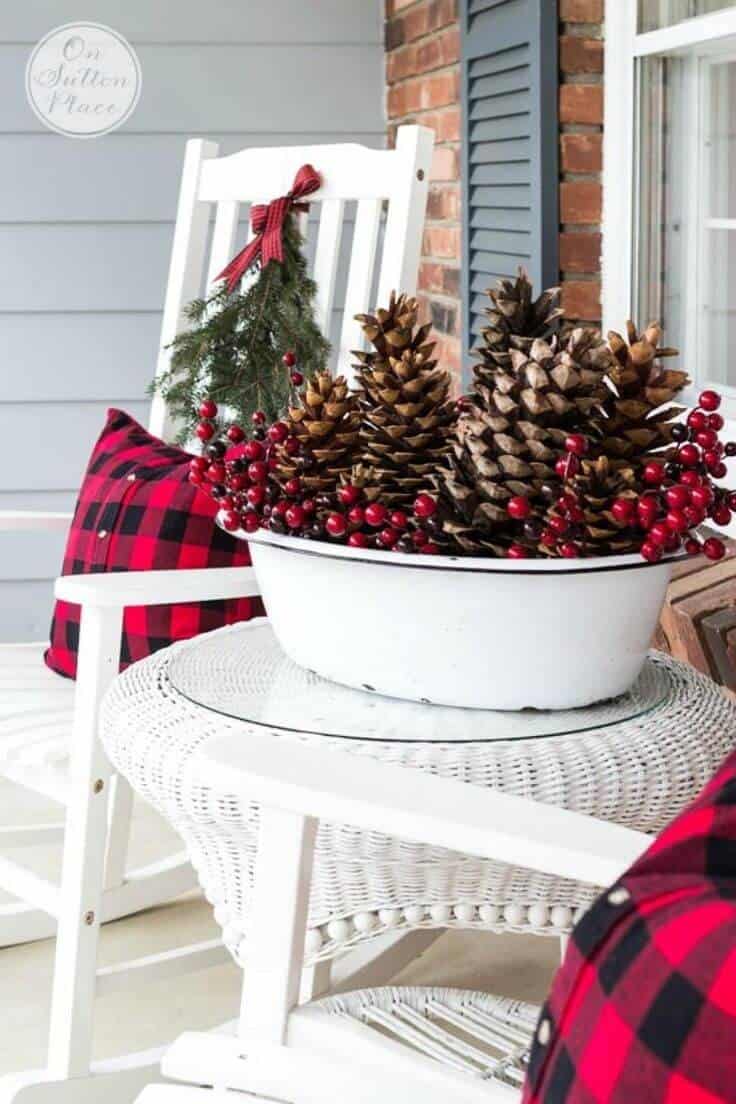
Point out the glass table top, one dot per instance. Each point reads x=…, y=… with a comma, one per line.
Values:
x=243, y=673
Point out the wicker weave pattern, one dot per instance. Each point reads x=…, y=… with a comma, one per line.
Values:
x=636, y=773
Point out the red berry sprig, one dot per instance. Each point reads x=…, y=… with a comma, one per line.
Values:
x=241, y=475
x=679, y=493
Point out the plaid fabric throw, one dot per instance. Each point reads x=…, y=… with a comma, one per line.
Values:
x=137, y=512
x=643, y=1008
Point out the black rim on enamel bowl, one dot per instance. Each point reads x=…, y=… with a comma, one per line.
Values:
x=470, y=564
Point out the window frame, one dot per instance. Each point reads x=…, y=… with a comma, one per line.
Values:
x=701, y=40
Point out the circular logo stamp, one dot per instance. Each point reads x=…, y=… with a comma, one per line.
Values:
x=83, y=79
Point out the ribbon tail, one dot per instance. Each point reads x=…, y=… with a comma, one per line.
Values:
x=241, y=262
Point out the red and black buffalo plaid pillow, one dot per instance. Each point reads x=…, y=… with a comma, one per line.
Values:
x=137, y=512
x=644, y=1007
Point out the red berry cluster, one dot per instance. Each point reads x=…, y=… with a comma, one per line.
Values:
x=558, y=533
x=289, y=360
x=362, y=524
x=679, y=495
x=683, y=493
x=242, y=476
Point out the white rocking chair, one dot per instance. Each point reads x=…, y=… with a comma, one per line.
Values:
x=371, y=1045
x=48, y=726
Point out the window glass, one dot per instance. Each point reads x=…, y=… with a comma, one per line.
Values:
x=654, y=14
x=685, y=261
x=720, y=140
x=717, y=321
x=661, y=209
x=718, y=306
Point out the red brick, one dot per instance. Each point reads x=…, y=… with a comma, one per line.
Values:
x=440, y=90
x=581, y=55
x=404, y=99
x=449, y=353
x=442, y=13
x=580, y=252
x=422, y=74
x=445, y=164
x=400, y=64
x=451, y=281
x=442, y=279
x=416, y=23
x=445, y=122
x=441, y=50
x=448, y=125
x=581, y=300
x=443, y=203
x=580, y=201
x=581, y=11
x=393, y=34
x=430, y=276
x=441, y=241
x=423, y=57
x=581, y=153
x=581, y=103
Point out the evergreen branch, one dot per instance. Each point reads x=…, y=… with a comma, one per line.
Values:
x=233, y=347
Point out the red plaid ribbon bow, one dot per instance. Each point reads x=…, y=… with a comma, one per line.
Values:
x=268, y=221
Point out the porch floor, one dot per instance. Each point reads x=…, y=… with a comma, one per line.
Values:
x=512, y=966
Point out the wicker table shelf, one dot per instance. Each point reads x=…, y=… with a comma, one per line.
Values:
x=636, y=760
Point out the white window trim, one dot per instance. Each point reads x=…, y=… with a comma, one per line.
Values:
x=623, y=45
x=618, y=163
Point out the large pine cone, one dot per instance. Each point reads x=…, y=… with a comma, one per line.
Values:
x=326, y=425
x=516, y=319
x=512, y=432
x=597, y=486
x=635, y=424
x=403, y=397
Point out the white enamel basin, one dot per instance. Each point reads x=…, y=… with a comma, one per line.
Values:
x=464, y=631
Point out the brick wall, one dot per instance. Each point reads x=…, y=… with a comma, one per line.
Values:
x=581, y=139
x=423, y=86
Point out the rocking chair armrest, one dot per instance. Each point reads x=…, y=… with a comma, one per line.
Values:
x=152, y=588
x=44, y=521
x=338, y=786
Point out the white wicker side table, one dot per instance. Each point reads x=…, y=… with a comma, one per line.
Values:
x=636, y=760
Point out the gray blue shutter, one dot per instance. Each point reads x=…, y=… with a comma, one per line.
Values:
x=510, y=147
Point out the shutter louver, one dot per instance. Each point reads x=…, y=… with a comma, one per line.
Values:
x=510, y=148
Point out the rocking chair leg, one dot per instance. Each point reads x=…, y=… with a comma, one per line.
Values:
x=70, y=1036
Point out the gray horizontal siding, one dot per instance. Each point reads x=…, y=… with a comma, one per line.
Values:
x=86, y=227
x=238, y=21
x=229, y=87
x=58, y=180
x=112, y=359
x=62, y=435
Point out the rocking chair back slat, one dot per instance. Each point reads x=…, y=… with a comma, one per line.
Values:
x=326, y=260
x=360, y=275
x=349, y=172
x=185, y=269
x=223, y=238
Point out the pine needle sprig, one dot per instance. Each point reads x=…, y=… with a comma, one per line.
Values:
x=231, y=350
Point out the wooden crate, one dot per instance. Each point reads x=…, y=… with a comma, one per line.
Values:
x=698, y=622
